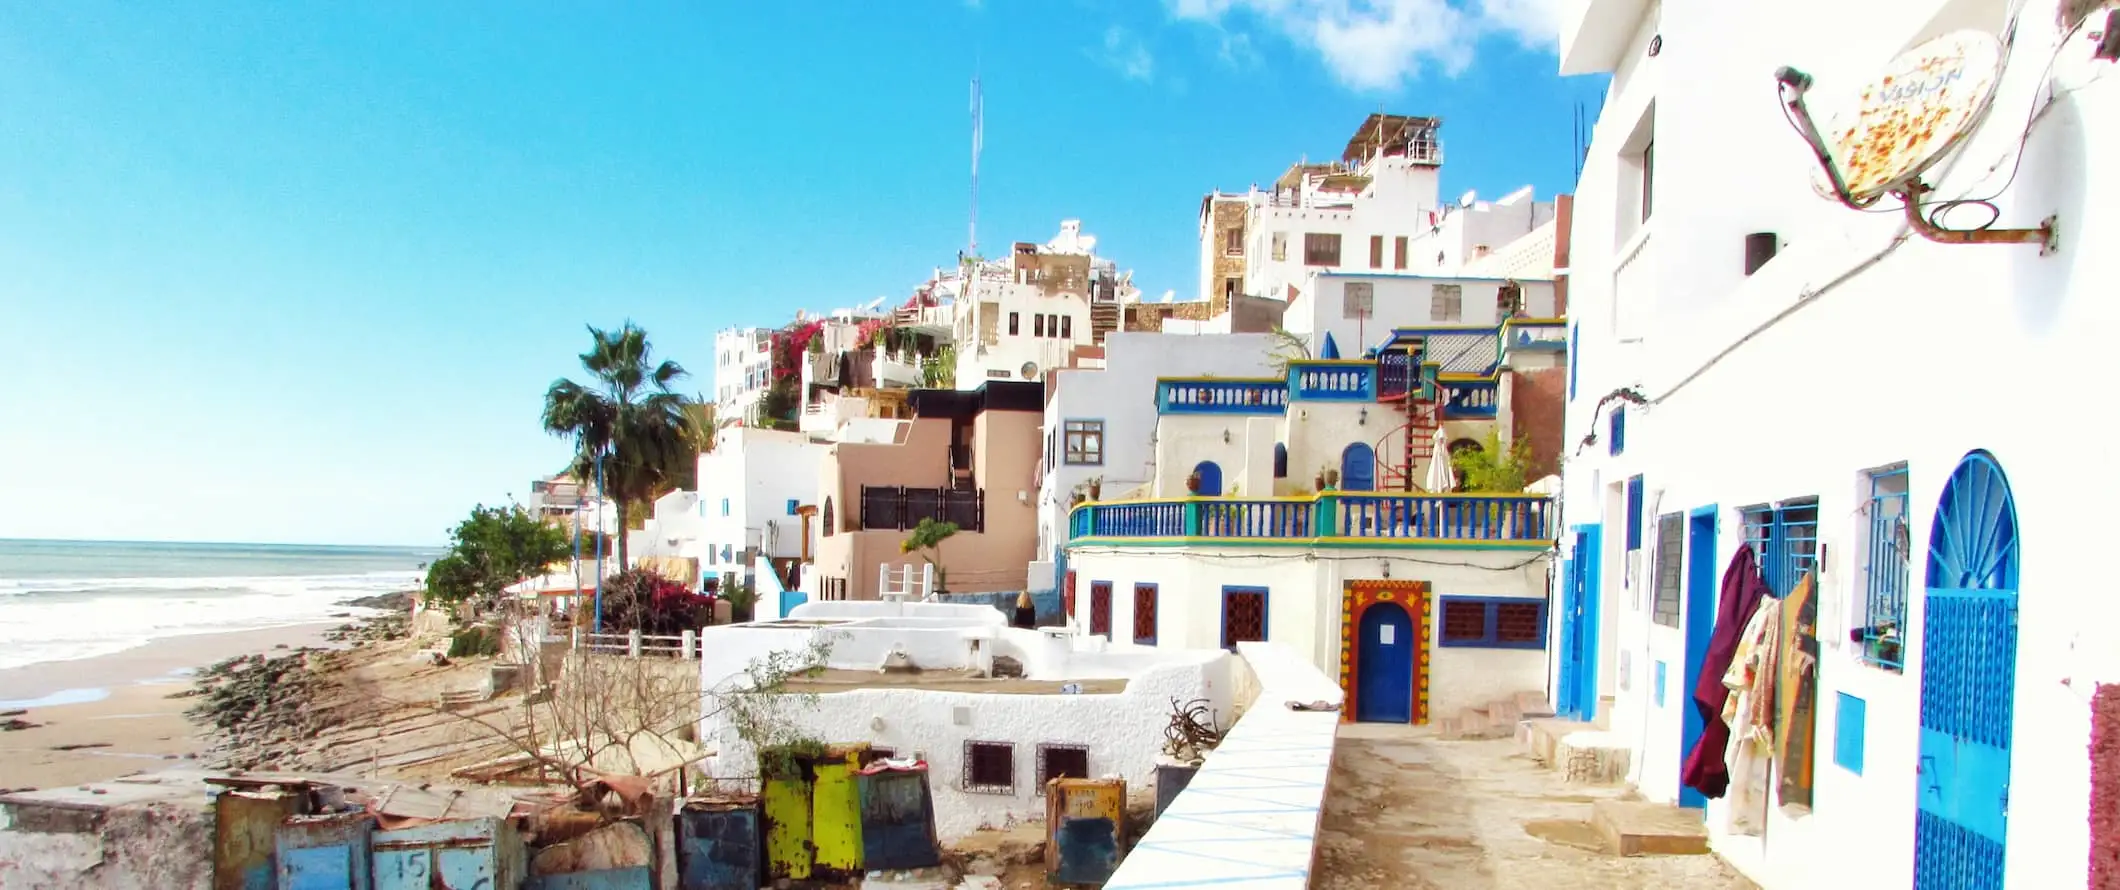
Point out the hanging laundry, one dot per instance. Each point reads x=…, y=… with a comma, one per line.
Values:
x=1797, y=711
x=1705, y=769
x=1750, y=713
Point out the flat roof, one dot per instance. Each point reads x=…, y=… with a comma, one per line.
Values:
x=1380, y=130
x=845, y=680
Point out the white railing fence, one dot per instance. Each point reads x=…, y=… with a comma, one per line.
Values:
x=635, y=644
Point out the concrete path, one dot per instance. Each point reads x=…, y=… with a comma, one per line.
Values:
x=1408, y=810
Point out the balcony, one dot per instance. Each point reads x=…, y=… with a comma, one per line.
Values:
x=1333, y=380
x=899, y=508
x=1331, y=519
x=1221, y=395
x=1471, y=400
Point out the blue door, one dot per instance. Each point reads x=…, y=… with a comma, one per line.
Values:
x=1210, y=479
x=1702, y=602
x=1968, y=681
x=1358, y=468
x=1578, y=680
x=1384, y=665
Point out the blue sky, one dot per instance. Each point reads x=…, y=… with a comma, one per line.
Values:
x=297, y=272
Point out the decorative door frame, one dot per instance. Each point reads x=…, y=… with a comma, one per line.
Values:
x=1356, y=596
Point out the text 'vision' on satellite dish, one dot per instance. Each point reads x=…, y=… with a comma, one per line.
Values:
x=1901, y=124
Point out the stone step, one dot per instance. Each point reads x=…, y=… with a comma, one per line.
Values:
x=1533, y=704
x=1640, y=828
x=1592, y=757
x=1541, y=736
x=1504, y=714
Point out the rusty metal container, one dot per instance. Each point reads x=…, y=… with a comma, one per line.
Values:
x=1085, y=829
x=718, y=845
x=244, y=823
x=813, y=816
x=637, y=878
x=897, y=818
x=324, y=852
x=471, y=854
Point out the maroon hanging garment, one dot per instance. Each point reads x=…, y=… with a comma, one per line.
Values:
x=1742, y=591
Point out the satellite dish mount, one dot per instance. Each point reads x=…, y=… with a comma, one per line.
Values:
x=1907, y=120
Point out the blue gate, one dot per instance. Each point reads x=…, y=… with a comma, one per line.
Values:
x=1577, y=696
x=1384, y=665
x=1358, y=468
x=1703, y=596
x=1968, y=681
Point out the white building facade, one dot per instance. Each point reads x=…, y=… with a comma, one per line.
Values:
x=743, y=371
x=1016, y=319
x=1758, y=367
x=752, y=487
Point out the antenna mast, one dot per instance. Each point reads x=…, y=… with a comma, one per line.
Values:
x=977, y=126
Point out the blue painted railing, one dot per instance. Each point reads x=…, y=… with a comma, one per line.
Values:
x=1333, y=381
x=1233, y=396
x=1384, y=517
x=1471, y=400
x=1445, y=517
x=1396, y=374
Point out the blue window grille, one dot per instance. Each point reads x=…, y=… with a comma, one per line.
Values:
x=1634, y=513
x=1493, y=622
x=1616, y=440
x=1849, y=717
x=793, y=505
x=1884, y=602
x=1784, y=537
x=724, y=506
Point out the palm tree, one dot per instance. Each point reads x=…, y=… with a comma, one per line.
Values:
x=629, y=417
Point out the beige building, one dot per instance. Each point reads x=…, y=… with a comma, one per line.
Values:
x=968, y=457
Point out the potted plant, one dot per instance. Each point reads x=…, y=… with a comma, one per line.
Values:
x=1330, y=479
x=1096, y=487
x=1192, y=482
x=1318, y=484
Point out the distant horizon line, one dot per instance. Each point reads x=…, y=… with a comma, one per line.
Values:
x=165, y=542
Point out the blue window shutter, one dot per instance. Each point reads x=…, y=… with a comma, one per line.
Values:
x=1848, y=727
x=1616, y=442
x=1575, y=345
x=1634, y=513
x=793, y=506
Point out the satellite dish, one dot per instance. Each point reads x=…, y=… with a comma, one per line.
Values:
x=1912, y=114
x=1030, y=370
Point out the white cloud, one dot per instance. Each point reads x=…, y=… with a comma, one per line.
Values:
x=1126, y=54
x=1380, y=44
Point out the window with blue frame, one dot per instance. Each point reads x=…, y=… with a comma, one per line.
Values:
x=1784, y=536
x=1488, y=622
x=1634, y=513
x=724, y=506
x=793, y=506
x=1616, y=435
x=1882, y=624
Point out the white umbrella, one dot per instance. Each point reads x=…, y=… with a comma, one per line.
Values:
x=1441, y=477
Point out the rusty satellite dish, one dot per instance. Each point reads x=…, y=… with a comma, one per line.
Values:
x=1926, y=102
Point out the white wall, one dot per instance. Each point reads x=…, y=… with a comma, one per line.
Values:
x=743, y=365
x=1401, y=301
x=756, y=472
x=1845, y=335
x=1303, y=603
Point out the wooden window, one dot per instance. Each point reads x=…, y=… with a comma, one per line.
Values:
x=1015, y=323
x=1493, y=622
x=1670, y=561
x=1280, y=245
x=1067, y=327
x=1376, y=251
x=1038, y=325
x=1233, y=241
x=1100, y=608
x=1398, y=252
x=989, y=767
x=1145, y=614
x=1321, y=249
x=1061, y=762
x=1446, y=302
x=1243, y=615
x=1085, y=442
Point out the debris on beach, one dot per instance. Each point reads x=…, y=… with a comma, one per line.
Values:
x=12, y=724
x=255, y=700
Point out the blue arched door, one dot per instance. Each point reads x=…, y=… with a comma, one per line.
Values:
x=1210, y=478
x=1968, y=681
x=1384, y=665
x=1358, y=468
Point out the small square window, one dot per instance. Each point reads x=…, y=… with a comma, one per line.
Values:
x=1493, y=622
x=1062, y=762
x=1015, y=323
x=990, y=767
x=1464, y=621
x=1084, y=442
x=793, y=505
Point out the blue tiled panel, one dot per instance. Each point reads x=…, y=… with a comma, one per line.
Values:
x=1849, y=719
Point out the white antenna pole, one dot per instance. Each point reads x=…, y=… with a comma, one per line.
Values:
x=977, y=127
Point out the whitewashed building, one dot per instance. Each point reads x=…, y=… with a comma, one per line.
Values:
x=1018, y=318
x=743, y=371
x=1101, y=424
x=1854, y=398
x=752, y=488
x=990, y=742
x=1307, y=510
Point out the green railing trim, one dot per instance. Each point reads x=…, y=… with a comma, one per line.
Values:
x=1331, y=543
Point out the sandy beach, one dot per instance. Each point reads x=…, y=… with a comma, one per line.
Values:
x=114, y=715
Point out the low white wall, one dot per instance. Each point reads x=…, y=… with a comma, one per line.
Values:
x=1265, y=784
x=1123, y=731
x=815, y=610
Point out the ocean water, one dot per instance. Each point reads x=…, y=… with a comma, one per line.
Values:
x=62, y=600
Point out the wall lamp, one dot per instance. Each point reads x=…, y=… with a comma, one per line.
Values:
x=1225, y=437
x=1361, y=418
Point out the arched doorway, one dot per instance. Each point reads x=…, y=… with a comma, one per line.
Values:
x=1358, y=468
x=1210, y=479
x=1968, y=681
x=1384, y=664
